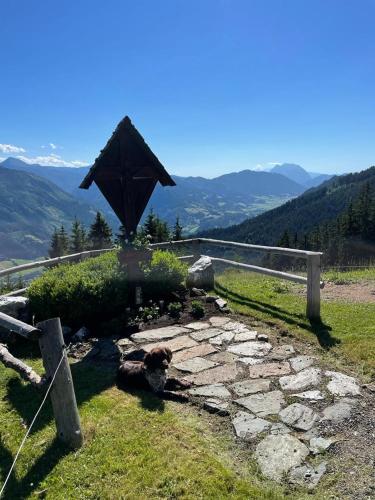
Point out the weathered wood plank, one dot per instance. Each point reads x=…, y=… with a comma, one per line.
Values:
x=25, y=371
x=16, y=326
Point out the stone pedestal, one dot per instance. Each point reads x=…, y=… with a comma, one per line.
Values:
x=201, y=274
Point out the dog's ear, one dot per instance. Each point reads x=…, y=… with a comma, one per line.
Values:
x=149, y=360
x=168, y=353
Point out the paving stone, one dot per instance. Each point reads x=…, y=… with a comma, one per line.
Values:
x=251, y=349
x=206, y=334
x=199, y=350
x=213, y=390
x=342, y=385
x=216, y=406
x=176, y=344
x=221, y=303
x=310, y=395
x=250, y=361
x=276, y=455
x=340, y=411
x=245, y=335
x=223, y=338
x=268, y=403
x=167, y=332
x=218, y=321
x=320, y=444
x=301, y=362
x=198, y=325
x=235, y=326
x=194, y=365
x=298, y=416
x=307, y=475
x=224, y=373
x=247, y=426
x=223, y=357
x=279, y=428
x=125, y=344
x=279, y=353
x=306, y=378
x=269, y=369
x=246, y=387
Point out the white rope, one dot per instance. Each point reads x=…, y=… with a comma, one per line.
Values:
x=32, y=423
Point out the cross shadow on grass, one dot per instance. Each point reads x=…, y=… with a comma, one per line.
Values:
x=318, y=328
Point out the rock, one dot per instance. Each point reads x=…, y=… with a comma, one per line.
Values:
x=340, y=411
x=108, y=349
x=263, y=337
x=320, y=444
x=281, y=352
x=213, y=390
x=311, y=395
x=298, y=416
x=125, y=345
x=198, y=325
x=250, y=361
x=342, y=385
x=307, y=476
x=201, y=274
x=206, y=334
x=251, y=349
x=82, y=334
x=276, y=455
x=224, y=373
x=263, y=404
x=245, y=335
x=197, y=292
x=13, y=306
x=176, y=344
x=199, y=350
x=250, y=387
x=301, y=362
x=194, y=365
x=235, y=326
x=221, y=303
x=67, y=332
x=223, y=357
x=223, y=338
x=218, y=321
x=247, y=426
x=167, y=332
x=269, y=369
x=279, y=428
x=306, y=378
x=369, y=387
x=210, y=299
x=216, y=406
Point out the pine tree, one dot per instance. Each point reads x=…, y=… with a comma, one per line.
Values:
x=78, y=237
x=100, y=233
x=177, y=230
x=63, y=241
x=54, y=250
x=121, y=236
x=150, y=226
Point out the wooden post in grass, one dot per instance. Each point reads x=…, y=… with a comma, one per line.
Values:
x=63, y=398
x=313, y=287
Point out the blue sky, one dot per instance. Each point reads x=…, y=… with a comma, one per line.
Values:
x=213, y=85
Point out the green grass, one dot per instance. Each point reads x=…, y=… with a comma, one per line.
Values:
x=350, y=276
x=347, y=330
x=136, y=447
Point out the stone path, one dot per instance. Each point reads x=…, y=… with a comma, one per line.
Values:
x=278, y=401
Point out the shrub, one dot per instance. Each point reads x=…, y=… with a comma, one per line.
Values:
x=174, y=309
x=164, y=274
x=81, y=294
x=197, y=309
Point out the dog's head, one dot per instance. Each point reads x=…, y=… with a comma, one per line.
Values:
x=158, y=358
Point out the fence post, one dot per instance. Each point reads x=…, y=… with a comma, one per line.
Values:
x=63, y=398
x=196, y=249
x=313, y=287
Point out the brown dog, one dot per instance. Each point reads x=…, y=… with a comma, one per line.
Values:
x=151, y=373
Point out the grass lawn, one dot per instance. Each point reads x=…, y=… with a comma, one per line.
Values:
x=136, y=447
x=347, y=329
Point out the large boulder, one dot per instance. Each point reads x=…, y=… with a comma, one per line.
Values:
x=201, y=274
x=13, y=306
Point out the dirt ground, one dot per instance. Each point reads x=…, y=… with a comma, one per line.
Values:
x=352, y=292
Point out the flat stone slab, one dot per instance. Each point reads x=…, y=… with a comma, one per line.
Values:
x=276, y=455
x=251, y=349
x=307, y=476
x=198, y=325
x=224, y=373
x=176, y=344
x=281, y=352
x=213, y=390
x=250, y=361
x=247, y=426
x=223, y=357
x=298, y=416
x=342, y=385
x=310, y=395
x=199, y=350
x=223, y=338
x=235, y=326
x=306, y=378
x=268, y=403
x=245, y=335
x=269, y=369
x=340, y=411
x=218, y=321
x=250, y=387
x=216, y=406
x=320, y=444
x=194, y=365
x=279, y=428
x=205, y=334
x=167, y=332
x=301, y=362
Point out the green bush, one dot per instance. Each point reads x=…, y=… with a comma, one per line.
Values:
x=164, y=274
x=86, y=293
x=197, y=309
x=174, y=309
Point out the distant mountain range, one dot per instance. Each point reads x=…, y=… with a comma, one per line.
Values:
x=50, y=196
x=300, y=175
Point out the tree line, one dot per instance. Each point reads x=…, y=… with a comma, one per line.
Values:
x=100, y=235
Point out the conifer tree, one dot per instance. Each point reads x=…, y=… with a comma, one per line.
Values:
x=63, y=240
x=78, y=237
x=59, y=243
x=177, y=230
x=54, y=250
x=100, y=233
